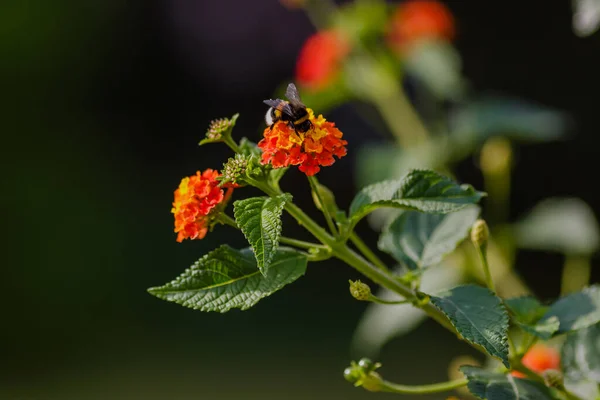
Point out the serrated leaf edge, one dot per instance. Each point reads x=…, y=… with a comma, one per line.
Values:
x=264, y=264
x=504, y=338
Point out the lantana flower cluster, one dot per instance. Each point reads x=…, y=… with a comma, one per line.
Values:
x=420, y=19
x=195, y=198
x=283, y=145
x=320, y=59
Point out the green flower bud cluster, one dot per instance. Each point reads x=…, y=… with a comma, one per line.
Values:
x=234, y=169
x=363, y=374
x=219, y=130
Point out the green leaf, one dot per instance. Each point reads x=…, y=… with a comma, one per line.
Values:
x=527, y=312
x=419, y=240
x=580, y=358
x=479, y=316
x=420, y=190
x=259, y=218
x=227, y=278
x=494, y=386
x=249, y=148
x=493, y=115
x=567, y=225
x=437, y=64
x=576, y=311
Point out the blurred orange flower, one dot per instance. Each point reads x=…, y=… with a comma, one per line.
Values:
x=320, y=58
x=539, y=359
x=418, y=19
x=195, y=198
x=282, y=145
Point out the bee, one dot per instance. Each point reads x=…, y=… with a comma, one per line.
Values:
x=292, y=111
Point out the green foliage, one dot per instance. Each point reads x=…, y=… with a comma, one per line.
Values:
x=580, y=356
x=419, y=240
x=437, y=64
x=227, y=278
x=249, y=148
x=494, y=386
x=259, y=218
x=479, y=316
x=567, y=225
x=527, y=312
x=500, y=115
x=576, y=311
x=420, y=190
x=361, y=20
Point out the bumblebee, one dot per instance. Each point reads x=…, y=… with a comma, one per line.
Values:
x=292, y=111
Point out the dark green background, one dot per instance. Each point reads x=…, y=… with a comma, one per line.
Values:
x=103, y=103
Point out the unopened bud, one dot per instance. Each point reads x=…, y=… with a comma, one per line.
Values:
x=553, y=378
x=496, y=156
x=480, y=233
x=219, y=128
x=234, y=169
x=360, y=291
x=372, y=382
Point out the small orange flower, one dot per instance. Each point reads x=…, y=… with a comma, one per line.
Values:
x=539, y=359
x=195, y=198
x=283, y=146
x=418, y=19
x=320, y=58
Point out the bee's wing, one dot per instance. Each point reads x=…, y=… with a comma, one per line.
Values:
x=292, y=94
x=281, y=105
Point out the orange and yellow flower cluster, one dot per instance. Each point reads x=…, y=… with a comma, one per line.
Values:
x=195, y=198
x=283, y=146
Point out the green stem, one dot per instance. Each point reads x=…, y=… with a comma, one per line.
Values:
x=227, y=220
x=401, y=118
x=232, y=144
x=575, y=275
x=366, y=251
x=385, y=279
x=314, y=185
x=344, y=253
x=482, y=251
x=375, y=299
x=517, y=365
x=299, y=243
x=422, y=389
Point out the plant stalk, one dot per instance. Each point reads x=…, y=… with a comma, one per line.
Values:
x=367, y=252
x=421, y=389
x=314, y=185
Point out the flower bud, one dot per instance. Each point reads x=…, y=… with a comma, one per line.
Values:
x=234, y=169
x=352, y=374
x=480, y=233
x=496, y=156
x=553, y=378
x=360, y=291
x=219, y=129
x=372, y=382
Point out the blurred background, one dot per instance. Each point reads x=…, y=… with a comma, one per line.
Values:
x=104, y=103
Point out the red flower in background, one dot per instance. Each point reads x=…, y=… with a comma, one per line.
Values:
x=419, y=19
x=282, y=145
x=195, y=198
x=539, y=359
x=320, y=58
